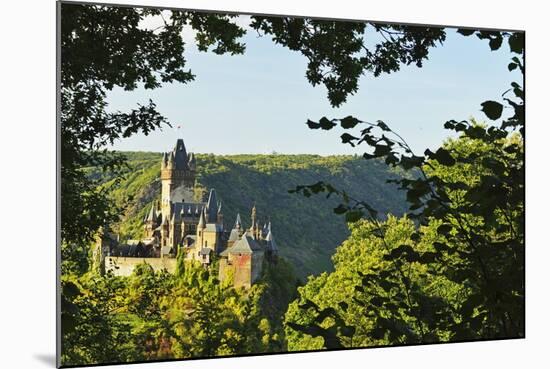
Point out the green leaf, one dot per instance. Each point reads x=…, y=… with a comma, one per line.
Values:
x=442, y=156
x=444, y=229
x=340, y=209
x=326, y=124
x=517, y=42
x=353, y=216
x=512, y=66
x=312, y=125
x=496, y=42
x=383, y=126
x=349, y=122
x=465, y=32
x=492, y=109
x=347, y=138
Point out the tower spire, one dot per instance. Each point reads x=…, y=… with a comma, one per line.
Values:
x=202, y=221
x=238, y=223
x=253, y=216
x=212, y=207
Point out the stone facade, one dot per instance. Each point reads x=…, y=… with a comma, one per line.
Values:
x=178, y=223
x=123, y=266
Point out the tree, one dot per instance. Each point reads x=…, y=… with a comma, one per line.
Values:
x=103, y=47
x=474, y=187
x=338, y=52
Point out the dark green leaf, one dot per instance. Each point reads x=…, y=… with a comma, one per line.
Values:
x=492, y=109
x=349, y=122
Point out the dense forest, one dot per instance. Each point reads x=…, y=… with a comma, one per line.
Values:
x=305, y=228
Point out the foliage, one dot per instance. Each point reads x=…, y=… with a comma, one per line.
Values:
x=338, y=52
x=103, y=47
x=366, y=292
x=157, y=315
x=452, y=269
x=473, y=188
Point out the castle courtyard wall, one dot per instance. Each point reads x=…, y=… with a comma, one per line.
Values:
x=127, y=264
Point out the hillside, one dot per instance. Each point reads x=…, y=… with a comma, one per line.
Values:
x=306, y=229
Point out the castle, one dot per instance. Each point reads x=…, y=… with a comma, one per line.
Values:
x=178, y=224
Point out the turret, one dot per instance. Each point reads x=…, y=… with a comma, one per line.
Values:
x=202, y=221
x=151, y=221
x=164, y=161
x=271, y=246
x=254, y=225
x=236, y=232
x=191, y=163
x=238, y=224
x=170, y=164
x=165, y=230
x=200, y=228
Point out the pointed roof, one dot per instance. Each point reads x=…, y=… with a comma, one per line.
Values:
x=152, y=214
x=246, y=245
x=202, y=221
x=238, y=223
x=173, y=220
x=180, y=155
x=191, y=162
x=170, y=162
x=212, y=206
x=234, y=235
x=253, y=216
x=271, y=245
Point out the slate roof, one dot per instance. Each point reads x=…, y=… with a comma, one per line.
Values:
x=202, y=222
x=211, y=207
x=271, y=245
x=189, y=209
x=238, y=223
x=246, y=245
x=180, y=155
x=233, y=235
x=134, y=250
x=152, y=214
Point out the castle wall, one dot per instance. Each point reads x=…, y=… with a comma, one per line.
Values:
x=127, y=265
x=256, y=267
x=243, y=269
x=210, y=239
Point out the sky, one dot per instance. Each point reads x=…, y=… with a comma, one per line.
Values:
x=258, y=102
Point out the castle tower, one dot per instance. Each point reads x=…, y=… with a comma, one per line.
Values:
x=200, y=229
x=151, y=221
x=271, y=246
x=255, y=227
x=164, y=231
x=177, y=175
x=174, y=231
x=236, y=232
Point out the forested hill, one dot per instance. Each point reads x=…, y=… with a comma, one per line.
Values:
x=306, y=229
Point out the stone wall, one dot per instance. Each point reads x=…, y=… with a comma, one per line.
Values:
x=257, y=261
x=122, y=266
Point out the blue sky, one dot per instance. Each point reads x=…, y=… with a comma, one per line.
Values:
x=259, y=102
